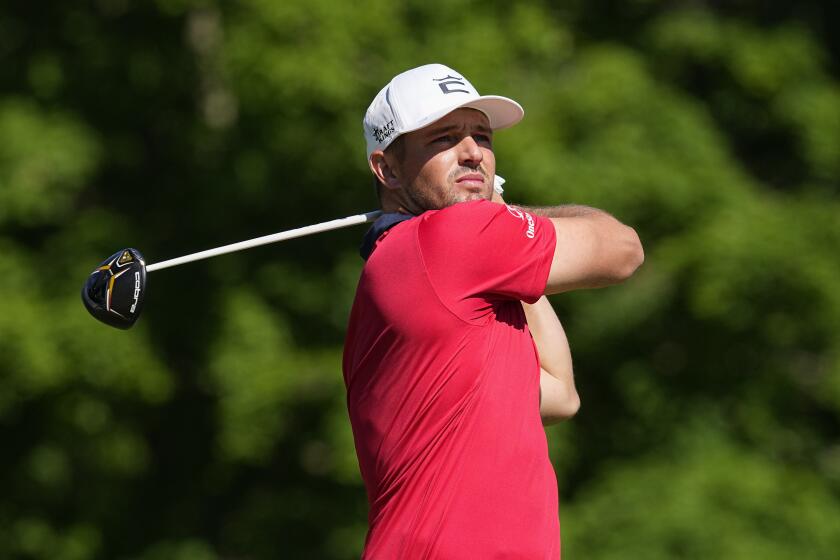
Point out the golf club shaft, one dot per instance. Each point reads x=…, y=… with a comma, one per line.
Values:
x=266, y=239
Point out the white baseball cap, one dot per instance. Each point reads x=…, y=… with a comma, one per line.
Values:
x=423, y=95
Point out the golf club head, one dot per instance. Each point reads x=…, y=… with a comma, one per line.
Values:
x=114, y=292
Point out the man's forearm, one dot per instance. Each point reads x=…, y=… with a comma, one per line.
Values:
x=558, y=395
x=558, y=400
x=562, y=211
x=550, y=338
x=593, y=248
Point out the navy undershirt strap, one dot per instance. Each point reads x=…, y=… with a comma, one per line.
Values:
x=380, y=226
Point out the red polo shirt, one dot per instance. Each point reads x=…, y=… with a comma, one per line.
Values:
x=442, y=381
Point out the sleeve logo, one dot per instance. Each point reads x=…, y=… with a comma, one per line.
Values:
x=522, y=215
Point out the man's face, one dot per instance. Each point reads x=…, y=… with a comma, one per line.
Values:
x=447, y=162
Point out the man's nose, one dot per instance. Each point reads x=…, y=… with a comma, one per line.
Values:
x=469, y=152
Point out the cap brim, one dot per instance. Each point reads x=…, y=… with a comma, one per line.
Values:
x=502, y=112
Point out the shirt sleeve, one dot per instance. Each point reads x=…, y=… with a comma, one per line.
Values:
x=479, y=252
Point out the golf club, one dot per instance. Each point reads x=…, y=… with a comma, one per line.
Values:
x=114, y=292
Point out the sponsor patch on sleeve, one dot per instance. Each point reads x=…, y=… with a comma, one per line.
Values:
x=525, y=216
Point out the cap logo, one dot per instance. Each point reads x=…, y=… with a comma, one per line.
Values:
x=450, y=81
x=384, y=131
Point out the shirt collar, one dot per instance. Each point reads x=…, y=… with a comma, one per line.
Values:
x=380, y=226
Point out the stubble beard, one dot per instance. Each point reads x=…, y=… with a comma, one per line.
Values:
x=449, y=195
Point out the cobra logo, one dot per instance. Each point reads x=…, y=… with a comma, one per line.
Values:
x=136, y=291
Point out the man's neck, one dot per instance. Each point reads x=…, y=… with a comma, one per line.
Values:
x=389, y=207
x=391, y=204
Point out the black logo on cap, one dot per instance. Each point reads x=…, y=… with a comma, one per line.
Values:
x=384, y=131
x=451, y=81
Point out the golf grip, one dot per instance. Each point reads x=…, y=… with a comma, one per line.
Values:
x=266, y=239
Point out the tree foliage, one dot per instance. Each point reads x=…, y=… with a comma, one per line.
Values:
x=217, y=426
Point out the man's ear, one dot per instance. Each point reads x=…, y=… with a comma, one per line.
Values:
x=383, y=170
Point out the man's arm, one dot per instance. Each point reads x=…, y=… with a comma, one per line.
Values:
x=559, y=399
x=593, y=249
x=562, y=211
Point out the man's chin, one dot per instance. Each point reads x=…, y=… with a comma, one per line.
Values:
x=455, y=197
x=468, y=196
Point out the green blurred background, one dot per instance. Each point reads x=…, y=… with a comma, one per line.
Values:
x=216, y=428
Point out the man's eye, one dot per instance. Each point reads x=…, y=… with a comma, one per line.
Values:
x=482, y=138
x=444, y=138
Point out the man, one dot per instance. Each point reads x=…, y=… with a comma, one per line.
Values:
x=446, y=379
